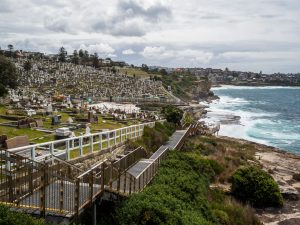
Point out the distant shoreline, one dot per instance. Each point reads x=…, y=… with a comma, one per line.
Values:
x=253, y=85
x=237, y=116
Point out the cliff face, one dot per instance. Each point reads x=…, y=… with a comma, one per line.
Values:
x=200, y=91
x=187, y=87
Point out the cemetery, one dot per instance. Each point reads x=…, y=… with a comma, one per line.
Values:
x=60, y=100
x=68, y=84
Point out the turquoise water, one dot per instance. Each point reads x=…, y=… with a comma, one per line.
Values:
x=268, y=115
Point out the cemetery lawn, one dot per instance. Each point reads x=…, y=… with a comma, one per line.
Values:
x=32, y=134
x=137, y=72
x=2, y=112
x=2, y=109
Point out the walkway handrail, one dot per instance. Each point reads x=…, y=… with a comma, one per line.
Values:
x=101, y=140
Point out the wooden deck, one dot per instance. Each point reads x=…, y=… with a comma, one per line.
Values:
x=61, y=189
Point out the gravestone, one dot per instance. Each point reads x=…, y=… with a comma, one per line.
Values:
x=32, y=125
x=39, y=123
x=3, y=138
x=70, y=120
x=91, y=117
x=55, y=120
x=16, y=142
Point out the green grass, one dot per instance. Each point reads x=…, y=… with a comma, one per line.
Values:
x=13, y=132
x=10, y=217
x=138, y=72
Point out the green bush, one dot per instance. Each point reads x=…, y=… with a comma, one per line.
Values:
x=296, y=176
x=172, y=114
x=8, y=217
x=180, y=194
x=167, y=128
x=153, y=138
x=256, y=187
x=216, y=166
x=177, y=195
x=222, y=217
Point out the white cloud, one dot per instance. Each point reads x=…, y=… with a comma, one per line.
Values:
x=162, y=32
x=153, y=52
x=102, y=49
x=128, y=52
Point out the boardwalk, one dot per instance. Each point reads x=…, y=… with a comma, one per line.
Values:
x=140, y=174
x=55, y=187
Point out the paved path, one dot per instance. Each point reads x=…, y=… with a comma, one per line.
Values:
x=143, y=167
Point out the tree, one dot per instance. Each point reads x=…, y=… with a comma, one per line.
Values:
x=113, y=70
x=8, y=75
x=81, y=53
x=27, y=66
x=255, y=186
x=86, y=56
x=172, y=114
x=10, y=49
x=95, y=60
x=163, y=72
x=75, y=58
x=62, y=54
x=145, y=68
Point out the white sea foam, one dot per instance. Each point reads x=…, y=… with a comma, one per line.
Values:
x=227, y=108
x=231, y=87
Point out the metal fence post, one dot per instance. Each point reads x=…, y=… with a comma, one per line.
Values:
x=43, y=192
x=61, y=192
x=76, y=198
x=80, y=146
x=91, y=144
x=33, y=153
x=68, y=150
x=91, y=184
x=100, y=142
x=102, y=177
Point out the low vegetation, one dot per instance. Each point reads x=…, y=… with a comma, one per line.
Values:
x=8, y=217
x=252, y=185
x=153, y=138
x=172, y=114
x=180, y=83
x=180, y=194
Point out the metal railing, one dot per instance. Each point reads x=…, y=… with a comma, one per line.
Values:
x=56, y=187
x=133, y=183
x=74, y=147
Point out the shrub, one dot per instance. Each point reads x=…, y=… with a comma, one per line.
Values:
x=153, y=138
x=177, y=196
x=253, y=185
x=216, y=166
x=222, y=217
x=172, y=114
x=16, y=218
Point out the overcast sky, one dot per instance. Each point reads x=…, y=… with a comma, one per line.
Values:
x=248, y=35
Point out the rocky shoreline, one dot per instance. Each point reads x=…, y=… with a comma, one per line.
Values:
x=281, y=166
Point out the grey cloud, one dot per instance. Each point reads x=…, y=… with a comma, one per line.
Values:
x=131, y=19
x=5, y=6
x=131, y=9
x=120, y=28
x=269, y=16
x=56, y=24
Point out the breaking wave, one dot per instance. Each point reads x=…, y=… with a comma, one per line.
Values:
x=267, y=115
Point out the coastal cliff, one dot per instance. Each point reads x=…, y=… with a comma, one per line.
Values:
x=188, y=87
x=284, y=167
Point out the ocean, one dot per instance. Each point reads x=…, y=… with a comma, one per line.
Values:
x=267, y=115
